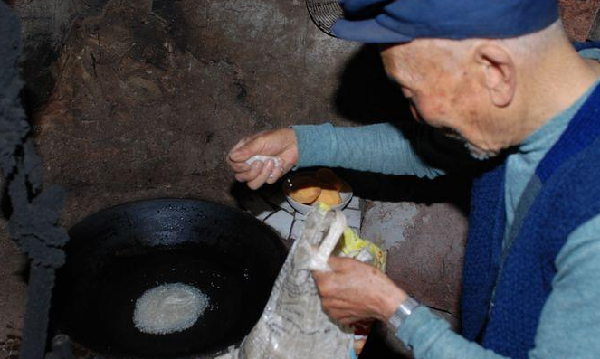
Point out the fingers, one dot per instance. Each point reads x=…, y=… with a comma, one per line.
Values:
x=252, y=172
x=280, y=143
x=259, y=173
x=321, y=278
x=240, y=143
x=343, y=316
x=328, y=287
x=238, y=167
x=334, y=303
x=346, y=311
x=275, y=175
x=240, y=152
x=349, y=320
x=262, y=176
x=237, y=156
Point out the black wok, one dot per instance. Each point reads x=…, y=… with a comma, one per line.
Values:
x=117, y=254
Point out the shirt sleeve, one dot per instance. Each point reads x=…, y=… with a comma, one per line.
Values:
x=569, y=325
x=382, y=148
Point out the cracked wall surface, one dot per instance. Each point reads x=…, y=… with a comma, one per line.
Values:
x=150, y=95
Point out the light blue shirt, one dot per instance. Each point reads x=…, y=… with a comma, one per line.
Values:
x=569, y=325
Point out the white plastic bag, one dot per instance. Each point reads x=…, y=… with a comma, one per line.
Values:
x=293, y=324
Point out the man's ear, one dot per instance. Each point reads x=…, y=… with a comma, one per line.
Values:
x=499, y=72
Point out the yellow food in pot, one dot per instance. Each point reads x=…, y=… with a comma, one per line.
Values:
x=324, y=186
x=305, y=189
x=330, y=197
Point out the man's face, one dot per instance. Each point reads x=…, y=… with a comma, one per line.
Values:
x=443, y=92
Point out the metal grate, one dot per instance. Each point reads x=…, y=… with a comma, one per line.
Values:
x=324, y=13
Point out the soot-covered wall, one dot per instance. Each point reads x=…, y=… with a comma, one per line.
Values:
x=150, y=95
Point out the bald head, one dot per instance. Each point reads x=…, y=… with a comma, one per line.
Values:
x=492, y=92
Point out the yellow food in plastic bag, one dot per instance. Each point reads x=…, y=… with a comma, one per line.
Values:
x=352, y=246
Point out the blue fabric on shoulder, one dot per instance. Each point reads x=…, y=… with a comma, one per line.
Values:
x=586, y=45
x=503, y=294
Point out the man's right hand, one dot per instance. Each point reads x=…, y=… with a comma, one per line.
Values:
x=280, y=143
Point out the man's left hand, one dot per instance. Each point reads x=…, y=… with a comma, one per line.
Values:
x=353, y=291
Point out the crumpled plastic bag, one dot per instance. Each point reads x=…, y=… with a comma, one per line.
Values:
x=293, y=324
x=352, y=246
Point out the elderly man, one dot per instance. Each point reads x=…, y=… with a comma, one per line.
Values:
x=502, y=78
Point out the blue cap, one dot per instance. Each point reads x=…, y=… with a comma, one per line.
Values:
x=399, y=21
